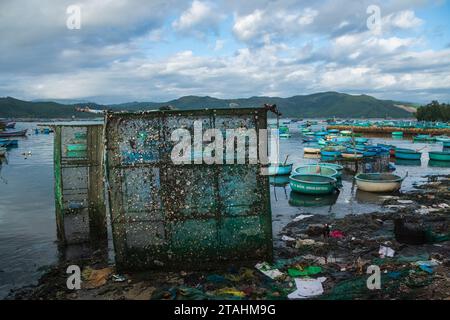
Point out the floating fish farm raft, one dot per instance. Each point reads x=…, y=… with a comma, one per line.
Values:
x=188, y=216
x=389, y=130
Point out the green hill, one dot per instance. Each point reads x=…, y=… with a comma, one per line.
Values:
x=318, y=105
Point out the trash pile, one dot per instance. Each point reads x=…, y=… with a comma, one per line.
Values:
x=316, y=257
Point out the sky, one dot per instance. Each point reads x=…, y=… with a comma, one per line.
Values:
x=156, y=50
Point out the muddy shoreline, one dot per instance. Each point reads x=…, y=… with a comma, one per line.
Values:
x=305, y=248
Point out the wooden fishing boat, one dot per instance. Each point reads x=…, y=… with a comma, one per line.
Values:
x=397, y=134
x=439, y=155
x=378, y=182
x=346, y=132
x=312, y=184
x=285, y=135
x=407, y=154
x=317, y=169
x=8, y=143
x=315, y=149
x=6, y=134
x=5, y=143
x=352, y=155
x=10, y=125
x=279, y=169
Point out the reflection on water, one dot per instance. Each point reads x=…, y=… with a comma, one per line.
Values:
x=279, y=181
x=406, y=162
x=369, y=197
x=306, y=200
x=437, y=163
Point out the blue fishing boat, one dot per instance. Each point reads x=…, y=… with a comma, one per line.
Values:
x=361, y=140
x=439, y=155
x=408, y=163
x=407, y=154
x=279, y=169
x=309, y=139
x=440, y=164
x=331, y=153
x=312, y=184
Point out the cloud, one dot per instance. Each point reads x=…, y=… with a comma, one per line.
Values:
x=254, y=28
x=199, y=19
x=156, y=50
x=403, y=20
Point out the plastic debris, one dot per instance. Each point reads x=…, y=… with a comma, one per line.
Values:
x=118, y=278
x=230, y=292
x=386, y=252
x=266, y=269
x=287, y=238
x=95, y=278
x=337, y=234
x=303, y=272
x=301, y=217
x=307, y=288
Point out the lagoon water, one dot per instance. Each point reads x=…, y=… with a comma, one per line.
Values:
x=27, y=218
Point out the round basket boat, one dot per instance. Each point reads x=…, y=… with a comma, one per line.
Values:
x=439, y=155
x=378, y=182
x=317, y=169
x=280, y=169
x=312, y=184
x=407, y=154
x=334, y=166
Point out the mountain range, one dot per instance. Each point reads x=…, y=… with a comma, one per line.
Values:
x=317, y=105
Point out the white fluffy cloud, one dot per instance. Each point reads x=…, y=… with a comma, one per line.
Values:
x=198, y=19
x=130, y=50
x=260, y=24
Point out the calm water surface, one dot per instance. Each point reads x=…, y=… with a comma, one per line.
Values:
x=27, y=218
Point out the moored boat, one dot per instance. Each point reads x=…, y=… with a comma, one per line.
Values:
x=312, y=184
x=397, y=134
x=334, y=166
x=317, y=169
x=6, y=134
x=312, y=148
x=378, y=182
x=407, y=154
x=279, y=169
x=439, y=155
